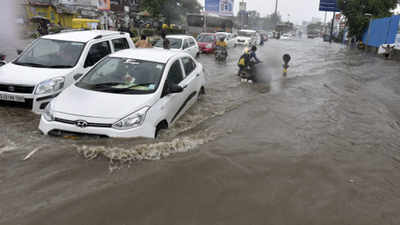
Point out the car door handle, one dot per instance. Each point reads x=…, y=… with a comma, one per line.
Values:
x=197, y=75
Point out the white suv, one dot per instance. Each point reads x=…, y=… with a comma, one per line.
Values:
x=53, y=62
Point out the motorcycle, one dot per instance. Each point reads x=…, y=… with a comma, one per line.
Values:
x=248, y=73
x=220, y=54
x=2, y=60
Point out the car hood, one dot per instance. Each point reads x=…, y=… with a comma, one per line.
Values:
x=25, y=75
x=81, y=102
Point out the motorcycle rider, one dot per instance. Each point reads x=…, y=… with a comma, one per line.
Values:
x=253, y=54
x=222, y=45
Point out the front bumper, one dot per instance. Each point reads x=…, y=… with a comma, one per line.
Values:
x=36, y=102
x=207, y=50
x=146, y=130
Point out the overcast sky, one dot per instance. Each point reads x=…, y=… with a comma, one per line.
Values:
x=296, y=10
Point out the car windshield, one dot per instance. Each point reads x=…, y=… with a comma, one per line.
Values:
x=245, y=34
x=219, y=36
x=174, y=43
x=205, y=38
x=123, y=76
x=48, y=53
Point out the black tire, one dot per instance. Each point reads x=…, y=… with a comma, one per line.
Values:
x=162, y=125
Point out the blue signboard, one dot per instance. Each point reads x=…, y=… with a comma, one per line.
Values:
x=328, y=6
x=212, y=6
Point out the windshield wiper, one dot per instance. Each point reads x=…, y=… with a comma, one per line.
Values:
x=31, y=64
x=60, y=66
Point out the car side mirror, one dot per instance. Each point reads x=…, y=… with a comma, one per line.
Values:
x=174, y=88
x=19, y=51
x=77, y=76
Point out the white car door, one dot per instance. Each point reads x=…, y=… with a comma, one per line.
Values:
x=191, y=81
x=194, y=47
x=186, y=46
x=171, y=103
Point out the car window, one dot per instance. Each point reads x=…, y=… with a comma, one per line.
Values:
x=192, y=42
x=189, y=65
x=186, y=44
x=175, y=74
x=123, y=76
x=120, y=44
x=97, y=52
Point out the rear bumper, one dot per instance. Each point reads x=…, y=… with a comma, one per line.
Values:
x=207, y=50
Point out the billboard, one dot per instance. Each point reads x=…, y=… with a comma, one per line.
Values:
x=220, y=7
x=328, y=6
x=212, y=6
x=103, y=4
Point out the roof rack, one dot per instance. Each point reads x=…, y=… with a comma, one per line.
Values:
x=106, y=35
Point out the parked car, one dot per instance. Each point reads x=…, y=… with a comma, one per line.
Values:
x=246, y=37
x=229, y=39
x=285, y=37
x=181, y=42
x=206, y=42
x=53, y=62
x=131, y=93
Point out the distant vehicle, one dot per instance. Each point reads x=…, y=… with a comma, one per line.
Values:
x=207, y=42
x=53, y=62
x=229, y=39
x=246, y=37
x=181, y=42
x=131, y=93
x=195, y=23
x=285, y=37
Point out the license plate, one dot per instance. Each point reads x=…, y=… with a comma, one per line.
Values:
x=11, y=98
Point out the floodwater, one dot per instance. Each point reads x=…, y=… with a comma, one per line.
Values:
x=320, y=146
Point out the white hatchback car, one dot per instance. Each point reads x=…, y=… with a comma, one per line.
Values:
x=181, y=42
x=54, y=62
x=132, y=93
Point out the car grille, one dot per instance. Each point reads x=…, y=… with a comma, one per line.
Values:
x=16, y=88
x=240, y=40
x=73, y=122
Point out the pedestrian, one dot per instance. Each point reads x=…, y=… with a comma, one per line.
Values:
x=143, y=42
x=388, y=51
x=165, y=40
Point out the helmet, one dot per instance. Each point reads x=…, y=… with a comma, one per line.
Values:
x=164, y=26
x=253, y=48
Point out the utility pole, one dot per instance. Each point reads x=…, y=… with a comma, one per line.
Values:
x=276, y=7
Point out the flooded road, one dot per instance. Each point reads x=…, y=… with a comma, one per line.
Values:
x=320, y=146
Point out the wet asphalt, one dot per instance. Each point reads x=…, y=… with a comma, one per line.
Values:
x=320, y=146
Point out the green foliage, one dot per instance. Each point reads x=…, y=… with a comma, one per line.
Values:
x=154, y=7
x=355, y=11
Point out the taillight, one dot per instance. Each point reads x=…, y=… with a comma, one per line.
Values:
x=3, y=57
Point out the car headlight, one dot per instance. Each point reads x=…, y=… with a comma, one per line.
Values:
x=133, y=120
x=48, y=113
x=209, y=46
x=50, y=86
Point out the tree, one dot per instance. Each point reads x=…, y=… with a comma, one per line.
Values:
x=356, y=10
x=152, y=6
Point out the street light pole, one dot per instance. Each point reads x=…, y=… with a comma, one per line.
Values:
x=369, y=28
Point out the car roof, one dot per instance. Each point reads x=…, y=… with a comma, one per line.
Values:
x=80, y=36
x=148, y=54
x=179, y=36
x=250, y=31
